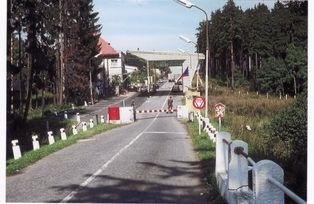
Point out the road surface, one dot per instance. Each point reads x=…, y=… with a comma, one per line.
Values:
x=151, y=160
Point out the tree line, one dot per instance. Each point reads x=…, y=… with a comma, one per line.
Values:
x=49, y=47
x=263, y=49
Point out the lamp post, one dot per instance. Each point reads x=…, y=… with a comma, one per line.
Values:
x=189, y=4
x=90, y=78
x=198, y=59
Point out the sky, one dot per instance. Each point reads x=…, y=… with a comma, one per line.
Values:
x=155, y=25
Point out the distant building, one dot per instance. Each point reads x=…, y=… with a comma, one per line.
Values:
x=129, y=69
x=112, y=64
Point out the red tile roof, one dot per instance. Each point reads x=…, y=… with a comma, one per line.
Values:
x=106, y=50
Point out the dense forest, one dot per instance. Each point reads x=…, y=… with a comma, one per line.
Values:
x=49, y=47
x=263, y=49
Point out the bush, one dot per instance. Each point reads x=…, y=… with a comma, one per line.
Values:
x=287, y=143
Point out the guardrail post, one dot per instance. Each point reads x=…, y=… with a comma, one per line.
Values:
x=35, y=142
x=84, y=126
x=102, y=119
x=264, y=191
x=96, y=119
x=51, y=139
x=205, y=123
x=78, y=118
x=91, y=123
x=74, y=130
x=63, y=134
x=16, y=149
x=237, y=172
x=222, y=150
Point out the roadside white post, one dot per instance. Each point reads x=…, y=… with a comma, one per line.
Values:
x=85, y=103
x=267, y=95
x=286, y=97
x=264, y=190
x=74, y=130
x=35, y=142
x=16, y=149
x=51, y=139
x=84, y=126
x=199, y=125
x=73, y=106
x=78, y=118
x=91, y=123
x=102, y=119
x=219, y=123
x=65, y=115
x=63, y=134
x=280, y=96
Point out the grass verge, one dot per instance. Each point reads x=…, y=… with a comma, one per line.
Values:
x=205, y=150
x=14, y=166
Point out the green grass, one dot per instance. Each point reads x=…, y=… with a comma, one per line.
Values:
x=246, y=108
x=30, y=157
x=205, y=150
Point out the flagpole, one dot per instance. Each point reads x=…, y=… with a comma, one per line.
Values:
x=182, y=78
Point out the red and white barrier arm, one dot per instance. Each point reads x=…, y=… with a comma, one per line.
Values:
x=154, y=111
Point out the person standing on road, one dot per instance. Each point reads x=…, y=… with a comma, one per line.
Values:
x=170, y=105
x=134, y=112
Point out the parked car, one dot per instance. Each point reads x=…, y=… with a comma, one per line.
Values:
x=177, y=88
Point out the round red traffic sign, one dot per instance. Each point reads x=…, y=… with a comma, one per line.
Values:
x=199, y=102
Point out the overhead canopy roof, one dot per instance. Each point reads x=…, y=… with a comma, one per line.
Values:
x=165, y=56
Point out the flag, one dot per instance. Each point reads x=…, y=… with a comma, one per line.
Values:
x=184, y=74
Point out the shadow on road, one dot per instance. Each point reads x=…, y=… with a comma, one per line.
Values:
x=120, y=190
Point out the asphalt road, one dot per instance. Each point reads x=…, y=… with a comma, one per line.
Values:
x=151, y=160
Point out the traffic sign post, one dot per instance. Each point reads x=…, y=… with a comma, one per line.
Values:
x=219, y=113
x=199, y=102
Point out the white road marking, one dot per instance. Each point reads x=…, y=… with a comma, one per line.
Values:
x=177, y=133
x=103, y=167
x=86, y=140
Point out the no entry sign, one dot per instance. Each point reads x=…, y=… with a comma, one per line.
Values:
x=199, y=102
x=219, y=110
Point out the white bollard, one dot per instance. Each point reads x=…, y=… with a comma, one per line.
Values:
x=265, y=191
x=74, y=130
x=73, y=106
x=65, y=115
x=286, y=97
x=102, y=119
x=35, y=142
x=91, y=123
x=78, y=118
x=84, y=126
x=85, y=103
x=16, y=149
x=280, y=96
x=51, y=139
x=63, y=134
x=267, y=95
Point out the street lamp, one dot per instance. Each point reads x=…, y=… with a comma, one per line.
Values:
x=189, y=4
x=198, y=59
x=90, y=78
